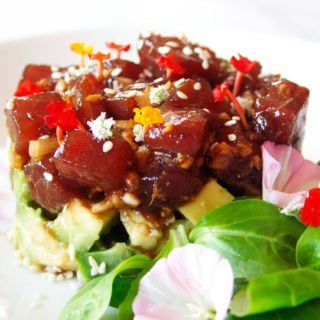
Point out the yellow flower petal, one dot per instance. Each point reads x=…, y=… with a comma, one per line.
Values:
x=148, y=115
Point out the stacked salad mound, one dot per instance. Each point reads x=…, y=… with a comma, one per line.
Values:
x=129, y=171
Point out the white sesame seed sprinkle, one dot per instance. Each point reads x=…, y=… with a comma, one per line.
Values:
x=56, y=75
x=164, y=50
x=130, y=199
x=102, y=268
x=48, y=176
x=10, y=104
x=237, y=118
x=197, y=86
x=147, y=73
x=232, y=137
x=187, y=51
x=126, y=94
x=107, y=146
x=182, y=95
x=172, y=44
x=116, y=72
x=198, y=50
x=44, y=137
x=230, y=123
x=205, y=64
x=158, y=80
x=178, y=83
x=109, y=91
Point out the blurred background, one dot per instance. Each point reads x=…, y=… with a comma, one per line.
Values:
x=293, y=18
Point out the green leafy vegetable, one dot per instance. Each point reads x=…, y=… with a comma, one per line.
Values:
x=252, y=235
x=94, y=298
x=278, y=290
x=111, y=257
x=306, y=311
x=308, y=249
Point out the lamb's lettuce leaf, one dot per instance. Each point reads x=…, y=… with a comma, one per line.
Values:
x=308, y=249
x=94, y=298
x=252, y=234
x=278, y=290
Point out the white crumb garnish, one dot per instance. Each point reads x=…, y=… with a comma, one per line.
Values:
x=187, y=51
x=164, y=50
x=138, y=132
x=182, y=95
x=107, y=146
x=172, y=44
x=48, y=176
x=232, y=137
x=197, y=86
x=178, y=83
x=101, y=127
x=116, y=72
x=158, y=94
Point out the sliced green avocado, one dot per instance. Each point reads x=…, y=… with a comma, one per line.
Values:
x=79, y=226
x=31, y=234
x=211, y=196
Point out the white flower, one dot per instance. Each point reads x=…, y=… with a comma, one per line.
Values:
x=101, y=127
x=158, y=94
x=138, y=132
x=193, y=283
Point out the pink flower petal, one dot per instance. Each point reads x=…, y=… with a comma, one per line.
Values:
x=192, y=280
x=7, y=200
x=287, y=176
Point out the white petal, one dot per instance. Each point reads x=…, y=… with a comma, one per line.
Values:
x=192, y=280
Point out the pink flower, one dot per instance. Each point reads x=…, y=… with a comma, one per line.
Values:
x=287, y=176
x=194, y=282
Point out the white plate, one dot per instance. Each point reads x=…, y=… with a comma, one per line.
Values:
x=296, y=60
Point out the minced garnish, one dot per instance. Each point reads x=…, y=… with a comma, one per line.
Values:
x=158, y=94
x=147, y=115
x=101, y=127
x=82, y=49
x=138, y=132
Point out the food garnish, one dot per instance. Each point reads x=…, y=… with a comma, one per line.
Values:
x=243, y=65
x=169, y=63
x=118, y=48
x=147, y=116
x=81, y=49
x=222, y=90
x=99, y=57
x=62, y=117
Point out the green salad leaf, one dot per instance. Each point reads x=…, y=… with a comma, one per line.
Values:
x=306, y=311
x=273, y=291
x=111, y=257
x=93, y=299
x=308, y=249
x=252, y=235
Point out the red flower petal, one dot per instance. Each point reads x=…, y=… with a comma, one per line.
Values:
x=51, y=121
x=220, y=91
x=119, y=47
x=169, y=62
x=242, y=64
x=68, y=121
x=26, y=88
x=310, y=213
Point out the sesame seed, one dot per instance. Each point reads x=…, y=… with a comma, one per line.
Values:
x=147, y=73
x=230, y=123
x=107, y=146
x=158, y=80
x=102, y=268
x=179, y=82
x=182, y=95
x=116, y=72
x=109, y=91
x=140, y=44
x=48, y=176
x=237, y=118
x=44, y=137
x=126, y=94
x=172, y=44
x=197, y=86
x=56, y=75
x=164, y=50
x=205, y=64
x=10, y=104
x=93, y=263
x=232, y=137
x=187, y=51
x=198, y=50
